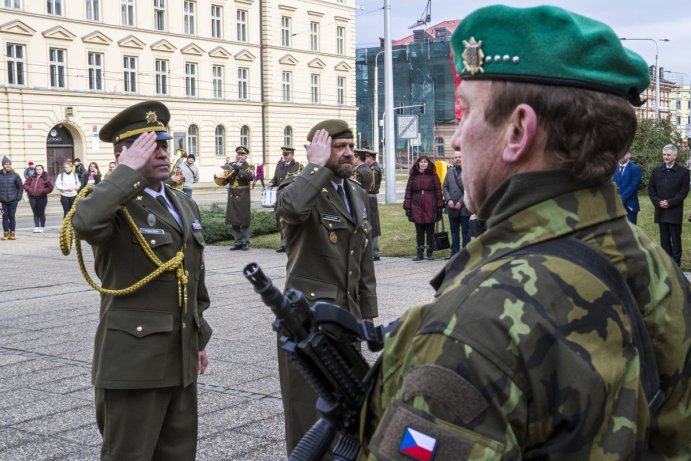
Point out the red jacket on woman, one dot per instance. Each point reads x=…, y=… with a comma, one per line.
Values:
x=423, y=194
x=37, y=186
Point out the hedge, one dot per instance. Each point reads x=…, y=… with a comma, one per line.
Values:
x=216, y=230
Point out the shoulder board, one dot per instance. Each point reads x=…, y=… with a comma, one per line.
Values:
x=352, y=181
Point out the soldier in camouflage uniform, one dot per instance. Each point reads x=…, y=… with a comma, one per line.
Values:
x=524, y=354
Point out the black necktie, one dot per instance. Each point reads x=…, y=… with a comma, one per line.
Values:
x=162, y=201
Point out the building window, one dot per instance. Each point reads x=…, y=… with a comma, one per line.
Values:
x=193, y=140
x=340, y=40
x=54, y=7
x=245, y=136
x=242, y=25
x=217, y=83
x=688, y=104
x=160, y=15
x=161, y=76
x=220, y=141
x=216, y=24
x=16, y=4
x=285, y=31
x=15, y=64
x=678, y=104
x=688, y=119
x=129, y=64
x=314, y=36
x=191, y=79
x=57, y=67
x=287, y=86
x=189, y=13
x=440, y=147
x=340, y=91
x=243, y=74
x=678, y=120
x=288, y=137
x=95, y=61
x=314, y=88
x=127, y=10
x=93, y=12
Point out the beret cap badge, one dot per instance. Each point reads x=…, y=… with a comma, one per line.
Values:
x=473, y=56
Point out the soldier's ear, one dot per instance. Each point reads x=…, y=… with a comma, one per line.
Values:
x=520, y=133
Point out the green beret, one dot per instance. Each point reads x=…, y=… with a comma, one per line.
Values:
x=288, y=149
x=141, y=118
x=547, y=45
x=242, y=150
x=338, y=129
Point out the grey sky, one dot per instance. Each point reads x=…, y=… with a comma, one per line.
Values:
x=659, y=19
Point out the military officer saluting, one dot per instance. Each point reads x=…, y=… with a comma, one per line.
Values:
x=372, y=192
x=285, y=168
x=238, y=208
x=326, y=226
x=150, y=341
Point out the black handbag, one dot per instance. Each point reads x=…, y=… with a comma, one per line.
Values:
x=441, y=237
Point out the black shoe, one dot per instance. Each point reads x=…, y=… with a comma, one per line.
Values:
x=281, y=249
x=245, y=246
x=448, y=257
x=376, y=258
x=236, y=247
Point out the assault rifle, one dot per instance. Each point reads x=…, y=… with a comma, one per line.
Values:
x=320, y=341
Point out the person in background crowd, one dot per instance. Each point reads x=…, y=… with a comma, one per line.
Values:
x=371, y=161
x=259, y=176
x=78, y=168
x=324, y=217
x=29, y=170
x=92, y=175
x=37, y=187
x=238, y=209
x=459, y=216
x=10, y=195
x=668, y=187
x=111, y=167
x=285, y=168
x=68, y=184
x=627, y=176
x=423, y=204
x=190, y=172
x=563, y=332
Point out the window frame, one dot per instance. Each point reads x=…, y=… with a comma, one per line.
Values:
x=314, y=36
x=13, y=4
x=189, y=17
x=340, y=91
x=220, y=141
x=191, y=76
x=245, y=136
x=340, y=40
x=54, y=5
x=93, y=7
x=160, y=16
x=127, y=14
x=243, y=83
x=16, y=66
x=286, y=26
x=217, y=21
x=315, y=90
x=161, y=76
x=95, y=71
x=58, y=68
x=287, y=86
x=193, y=140
x=129, y=74
x=241, y=24
x=288, y=136
x=217, y=81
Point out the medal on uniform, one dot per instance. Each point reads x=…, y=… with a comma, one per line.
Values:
x=151, y=220
x=333, y=238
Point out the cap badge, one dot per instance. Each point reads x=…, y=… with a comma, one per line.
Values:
x=151, y=117
x=472, y=56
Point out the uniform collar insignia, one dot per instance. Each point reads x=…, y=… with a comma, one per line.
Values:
x=324, y=190
x=139, y=197
x=473, y=56
x=151, y=117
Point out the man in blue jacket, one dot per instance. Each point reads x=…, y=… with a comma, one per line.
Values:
x=628, y=177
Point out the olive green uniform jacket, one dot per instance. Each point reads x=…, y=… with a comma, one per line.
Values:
x=238, y=207
x=373, y=203
x=329, y=259
x=530, y=356
x=144, y=339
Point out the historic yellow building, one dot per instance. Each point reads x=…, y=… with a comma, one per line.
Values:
x=233, y=72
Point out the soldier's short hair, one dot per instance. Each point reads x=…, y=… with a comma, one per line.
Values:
x=587, y=131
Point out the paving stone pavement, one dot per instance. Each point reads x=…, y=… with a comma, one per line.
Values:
x=48, y=317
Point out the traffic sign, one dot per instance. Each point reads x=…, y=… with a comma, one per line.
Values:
x=407, y=126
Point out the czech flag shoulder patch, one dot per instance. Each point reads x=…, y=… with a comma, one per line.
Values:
x=417, y=445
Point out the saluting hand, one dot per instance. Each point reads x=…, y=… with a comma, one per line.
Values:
x=138, y=154
x=319, y=150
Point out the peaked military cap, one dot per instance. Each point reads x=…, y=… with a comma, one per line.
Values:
x=242, y=150
x=137, y=119
x=288, y=149
x=364, y=152
x=338, y=129
x=547, y=45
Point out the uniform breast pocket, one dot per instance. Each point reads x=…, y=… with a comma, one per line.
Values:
x=160, y=241
x=137, y=345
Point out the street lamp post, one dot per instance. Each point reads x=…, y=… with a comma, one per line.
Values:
x=375, y=133
x=657, y=72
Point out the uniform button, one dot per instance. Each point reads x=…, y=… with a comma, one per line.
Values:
x=187, y=272
x=331, y=226
x=352, y=252
x=136, y=185
x=139, y=328
x=355, y=232
x=350, y=273
x=153, y=242
x=184, y=325
x=312, y=295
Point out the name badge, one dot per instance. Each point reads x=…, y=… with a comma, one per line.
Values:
x=150, y=231
x=330, y=217
x=196, y=225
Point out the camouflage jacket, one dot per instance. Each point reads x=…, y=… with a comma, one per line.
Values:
x=522, y=357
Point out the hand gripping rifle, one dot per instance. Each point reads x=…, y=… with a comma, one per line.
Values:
x=320, y=342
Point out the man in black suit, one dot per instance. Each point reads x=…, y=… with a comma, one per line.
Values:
x=668, y=187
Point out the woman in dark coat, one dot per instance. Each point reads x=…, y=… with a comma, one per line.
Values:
x=10, y=194
x=423, y=203
x=38, y=186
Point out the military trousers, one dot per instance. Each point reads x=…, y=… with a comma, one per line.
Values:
x=241, y=234
x=148, y=424
x=375, y=246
